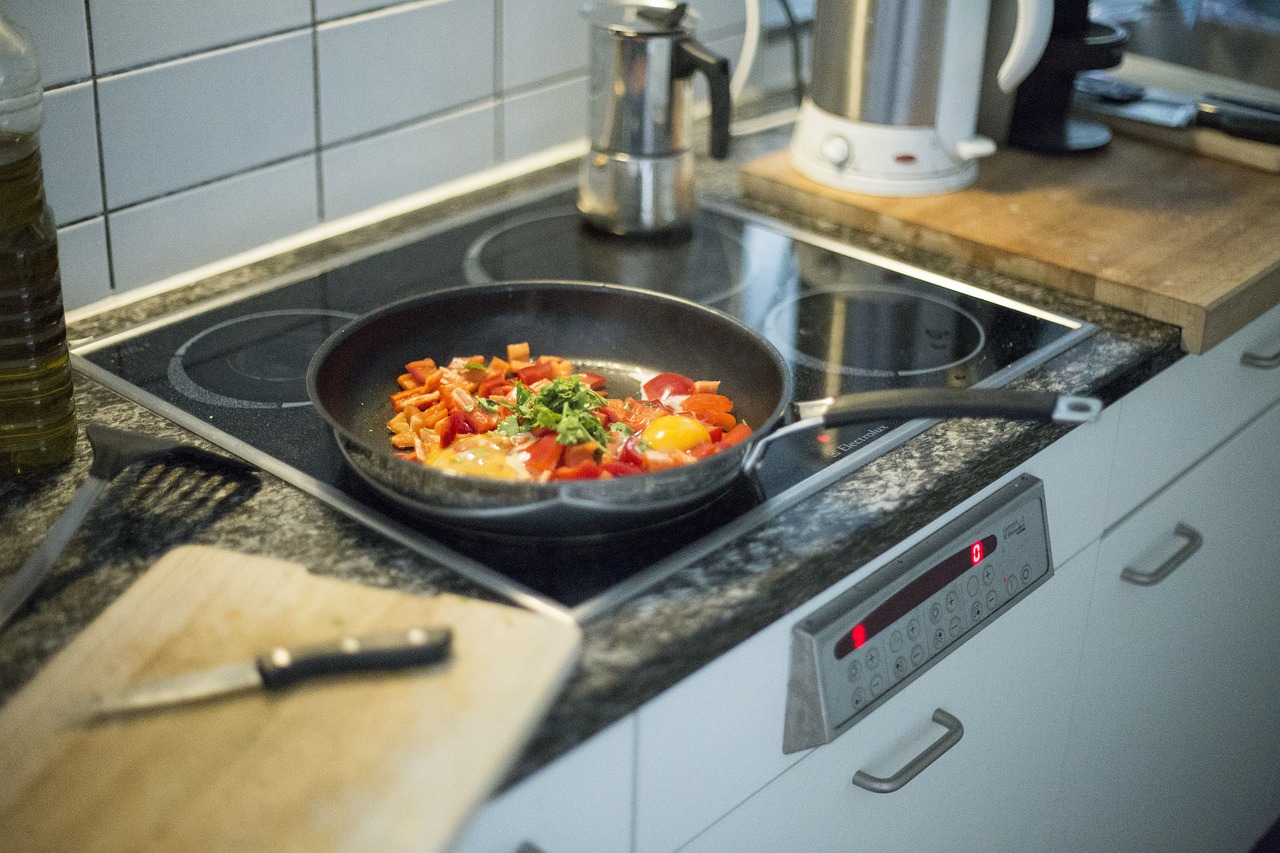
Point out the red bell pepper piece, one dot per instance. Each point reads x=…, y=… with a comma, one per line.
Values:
x=544, y=454
x=536, y=372
x=667, y=385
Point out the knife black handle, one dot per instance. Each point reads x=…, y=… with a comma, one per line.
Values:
x=282, y=667
x=1240, y=121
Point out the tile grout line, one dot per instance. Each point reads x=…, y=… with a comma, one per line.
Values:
x=102, y=157
x=315, y=94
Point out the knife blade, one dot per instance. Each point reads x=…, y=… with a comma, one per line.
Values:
x=280, y=668
x=1109, y=96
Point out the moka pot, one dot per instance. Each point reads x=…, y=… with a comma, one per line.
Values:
x=638, y=176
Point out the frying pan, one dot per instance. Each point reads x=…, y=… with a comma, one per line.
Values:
x=627, y=335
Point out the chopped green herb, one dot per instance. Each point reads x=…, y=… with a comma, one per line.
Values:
x=565, y=405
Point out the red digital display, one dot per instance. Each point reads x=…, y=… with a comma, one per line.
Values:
x=914, y=594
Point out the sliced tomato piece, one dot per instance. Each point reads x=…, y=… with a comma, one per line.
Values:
x=496, y=385
x=667, y=385
x=735, y=436
x=536, y=372
x=622, y=469
x=722, y=421
x=582, y=471
x=480, y=420
x=592, y=380
x=420, y=369
x=544, y=454
x=707, y=403
x=702, y=451
x=629, y=453
x=456, y=425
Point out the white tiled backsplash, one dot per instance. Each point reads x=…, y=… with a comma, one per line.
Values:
x=182, y=132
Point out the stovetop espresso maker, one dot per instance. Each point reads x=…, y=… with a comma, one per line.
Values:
x=638, y=176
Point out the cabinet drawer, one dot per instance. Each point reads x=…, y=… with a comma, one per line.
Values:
x=579, y=803
x=993, y=790
x=1175, y=735
x=1182, y=414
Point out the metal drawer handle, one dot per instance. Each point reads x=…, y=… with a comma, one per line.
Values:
x=1261, y=362
x=1162, y=571
x=878, y=785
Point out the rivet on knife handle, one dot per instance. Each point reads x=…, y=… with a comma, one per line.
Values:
x=282, y=667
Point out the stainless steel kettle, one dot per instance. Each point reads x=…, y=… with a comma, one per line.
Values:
x=638, y=176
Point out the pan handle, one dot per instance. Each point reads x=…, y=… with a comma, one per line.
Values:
x=912, y=403
x=903, y=404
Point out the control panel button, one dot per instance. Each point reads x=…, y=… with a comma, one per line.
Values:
x=917, y=654
x=895, y=641
x=971, y=585
x=935, y=612
x=913, y=629
x=872, y=658
x=855, y=671
x=900, y=667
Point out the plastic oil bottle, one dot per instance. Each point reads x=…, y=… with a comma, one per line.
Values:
x=37, y=420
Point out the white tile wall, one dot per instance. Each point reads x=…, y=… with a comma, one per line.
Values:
x=129, y=33
x=167, y=236
x=377, y=169
x=544, y=117
x=401, y=64
x=193, y=120
x=542, y=39
x=83, y=262
x=69, y=149
x=61, y=35
x=226, y=125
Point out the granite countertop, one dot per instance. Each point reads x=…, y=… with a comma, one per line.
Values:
x=632, y=651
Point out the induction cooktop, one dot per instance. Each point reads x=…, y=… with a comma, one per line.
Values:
x=234, y=370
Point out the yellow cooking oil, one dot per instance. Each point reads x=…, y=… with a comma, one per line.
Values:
x=37, y=419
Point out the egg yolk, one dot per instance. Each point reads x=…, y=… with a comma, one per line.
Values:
x=478, y=456
x=675, y=432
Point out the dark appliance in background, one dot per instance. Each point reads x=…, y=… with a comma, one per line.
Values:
x=234, y=370
x=1041, y=120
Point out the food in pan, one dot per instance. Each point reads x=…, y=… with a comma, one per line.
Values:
x=525, y=418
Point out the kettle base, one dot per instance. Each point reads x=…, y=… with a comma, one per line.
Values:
x=874, y=159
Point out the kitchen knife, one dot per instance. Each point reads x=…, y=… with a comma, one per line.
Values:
x=282, y=667
x=1243, y=119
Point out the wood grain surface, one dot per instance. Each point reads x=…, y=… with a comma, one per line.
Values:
x=1172, y=236
x=373, y=762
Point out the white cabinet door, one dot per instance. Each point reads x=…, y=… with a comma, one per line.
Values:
x=994, y=790
x=579, y=803
x=1176, y=735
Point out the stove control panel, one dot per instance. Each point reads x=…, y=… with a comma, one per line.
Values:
x=855, y=652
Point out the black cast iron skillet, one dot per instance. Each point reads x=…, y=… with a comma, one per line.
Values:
x=626, y=334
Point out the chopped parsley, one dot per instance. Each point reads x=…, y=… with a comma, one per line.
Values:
x=565, y=405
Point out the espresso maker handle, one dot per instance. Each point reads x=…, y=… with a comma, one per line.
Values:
x=692, y=56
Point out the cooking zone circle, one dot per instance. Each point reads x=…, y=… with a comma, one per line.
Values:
x=706, y=266
x=878, y=331
x=258, y=361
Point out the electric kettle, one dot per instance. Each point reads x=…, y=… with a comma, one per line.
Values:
x=638, y=175
x=893, y=104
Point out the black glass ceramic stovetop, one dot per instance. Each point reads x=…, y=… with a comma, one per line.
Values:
x=236, y=373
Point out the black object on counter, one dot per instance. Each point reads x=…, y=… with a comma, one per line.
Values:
x=1041, y=119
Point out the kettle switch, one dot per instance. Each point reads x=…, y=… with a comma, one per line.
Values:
x=975, y=147
x=836, y=150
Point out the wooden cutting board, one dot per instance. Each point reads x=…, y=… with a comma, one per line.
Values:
x=376, y=762
x=1164, y=233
